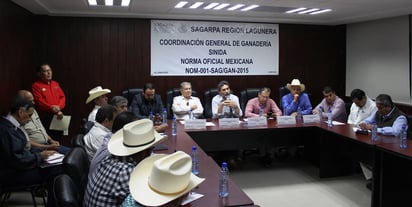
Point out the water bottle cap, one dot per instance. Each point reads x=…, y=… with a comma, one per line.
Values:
x=194, y=148
x=404, y=126
x=224, y=164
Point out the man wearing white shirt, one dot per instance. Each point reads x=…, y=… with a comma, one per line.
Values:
x=225, y=104
x=362, y=107
x=183, y=104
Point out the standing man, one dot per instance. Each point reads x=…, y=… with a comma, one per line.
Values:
x=225, y=104
x=296, y=99
x=184, y=103
x=270, y=109
x=49, y=97
x=361, y=108
x=99, y=96
x=146, y=102
x=333, y=104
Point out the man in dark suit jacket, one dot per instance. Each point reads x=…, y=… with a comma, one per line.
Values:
x=146, y=102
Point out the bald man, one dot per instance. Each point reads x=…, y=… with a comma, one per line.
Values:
x=36, y=131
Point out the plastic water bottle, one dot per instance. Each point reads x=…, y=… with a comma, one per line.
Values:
x=285, y=111
x=403, y=136
x=320, y=113
x=224, y=181
x=260, y=110
x=330, y=121
x=191, y=115
x=164, y=116
x=374, y=132
x=195, y=161
x=151, y=116
x=299, y=114
x=174, y=127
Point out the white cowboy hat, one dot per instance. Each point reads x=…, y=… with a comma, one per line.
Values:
x=133, y=138
x=96, y=92
x=296, y=82
x=162, y=178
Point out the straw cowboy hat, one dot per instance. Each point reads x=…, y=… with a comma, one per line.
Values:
x=296, y=82
x=162, y=178
x=96, y=92
x=133, y=138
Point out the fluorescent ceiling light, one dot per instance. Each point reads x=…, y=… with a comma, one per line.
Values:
x=211, y=5
x=195, y=5
x=237, y=6
x=295, y=10
x=181, y=4
x=108, y=2
x=250, y=7
x=125, y=3
x=221, y=6
x=92, y=2
x=307, y=11
x=321, y=11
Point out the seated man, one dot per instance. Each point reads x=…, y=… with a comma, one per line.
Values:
x=109, y=183
x=99, y=98
x=361, y=108
x=37, y=133
x=270, y=109
x=104, y=122
x=146, y=102
x=147, y=187
x=296, y=99
x=333, y=104
x=225, y=104
x=120, y=103
x=184, y=103
x=18, y=164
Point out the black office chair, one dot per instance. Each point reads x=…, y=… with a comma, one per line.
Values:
x=78, y=140
x=86, y=126
x=65, y=192
x=130, y=93
x=209, y=94
x=282, y=91
x=170, y=94
x=76, y=164
x=246, y=95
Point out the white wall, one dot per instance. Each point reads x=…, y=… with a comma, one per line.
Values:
x=377, y=58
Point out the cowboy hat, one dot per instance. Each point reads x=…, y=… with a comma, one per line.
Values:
x=96, y=92
x=296, y=82
x=162, y=178
x=133, y=138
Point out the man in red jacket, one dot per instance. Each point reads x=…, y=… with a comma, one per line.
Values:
x=49, y=97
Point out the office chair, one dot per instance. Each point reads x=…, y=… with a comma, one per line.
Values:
x=86, y=126
x=76, y=164
x=130, y=93
x=65, y=192
x=246, y=95
x=6, y=191
x=282, y=91
x=170, y=94
x=209, y=94
x=78, y=141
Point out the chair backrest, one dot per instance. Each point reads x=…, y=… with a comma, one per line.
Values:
x=130, y=93
x=78, y=141
x=170, y=94
x=209, y=94
x=246, y=95
x=65, y=192
x=76, y=164
x=85, y=128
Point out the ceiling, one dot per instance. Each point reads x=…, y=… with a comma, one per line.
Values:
x=272, y=11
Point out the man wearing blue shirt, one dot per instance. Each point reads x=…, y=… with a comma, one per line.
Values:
x=296, y=99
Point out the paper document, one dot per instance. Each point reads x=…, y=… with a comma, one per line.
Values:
x=55, y=158
x=191, y=197
x=60, y=124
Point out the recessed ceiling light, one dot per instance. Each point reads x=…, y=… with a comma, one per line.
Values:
x=211, y=5
x=181, y=4
x=295, y=10
x=108, y=2
x=195, y=5
x=321, y=11
x=309, y=10
x=221, y=6
x=237, y=6
x=250, y=7
x=125, y=3
x=92, y=2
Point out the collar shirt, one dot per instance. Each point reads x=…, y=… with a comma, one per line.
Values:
x=388, y=129
x=21, y=128
x=253, y=106
x=36, y=130
x=290, y=106
x=226, y=109
x=109, y=184
x=181, y=107
x=92, y=115
x=47, y=94
x=337, y=108
x=94, y=139
x=358, y=114
x=100, y=154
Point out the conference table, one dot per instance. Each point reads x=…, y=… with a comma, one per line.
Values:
x=335, y=150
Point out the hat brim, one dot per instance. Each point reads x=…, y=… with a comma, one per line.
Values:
x=116, y=146
x=302, y=86
x=97, y=94
x=141, y=191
